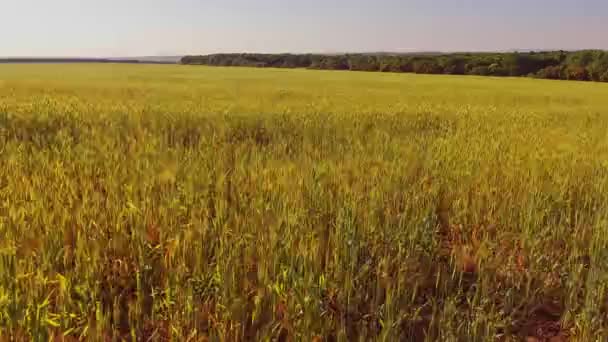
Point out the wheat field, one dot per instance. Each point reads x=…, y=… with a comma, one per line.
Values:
x=182, y=203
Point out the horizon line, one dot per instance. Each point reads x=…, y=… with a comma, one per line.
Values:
x=397, y=51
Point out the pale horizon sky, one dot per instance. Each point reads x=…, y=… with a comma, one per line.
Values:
x=121, y=28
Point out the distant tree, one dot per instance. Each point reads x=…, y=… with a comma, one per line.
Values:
x=581, y=58
x=480, y=70
x=562, y=56
x=524, y=64
x=427, y=66
x=406, y=64
x=580, y=65
x=454, y=65
x=363, y=63
x=495, y=69
x=550, y=72
x=599, y=66
x=577, y=73
x=334, y=63
x=389, y=64
x=315, y=62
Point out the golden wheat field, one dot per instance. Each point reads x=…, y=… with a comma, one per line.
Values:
x=157, y=203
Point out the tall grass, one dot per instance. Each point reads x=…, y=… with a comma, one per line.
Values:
x=194, y=204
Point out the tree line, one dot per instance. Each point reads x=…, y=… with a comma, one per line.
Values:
x=586, y=65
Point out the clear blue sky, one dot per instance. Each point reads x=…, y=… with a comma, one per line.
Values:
x=173, y=27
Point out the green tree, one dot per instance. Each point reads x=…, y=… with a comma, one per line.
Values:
x=454, y=65
x=427, y=66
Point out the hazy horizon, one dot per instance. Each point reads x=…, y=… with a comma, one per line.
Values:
x=289, y=52
x=113, y=28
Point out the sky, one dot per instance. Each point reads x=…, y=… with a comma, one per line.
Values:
x=121, y=28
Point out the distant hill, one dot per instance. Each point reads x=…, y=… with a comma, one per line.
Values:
x=151, y=59
x=63, y=60
x=126, y=60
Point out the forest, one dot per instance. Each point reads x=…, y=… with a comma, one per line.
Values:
x=586, y=65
